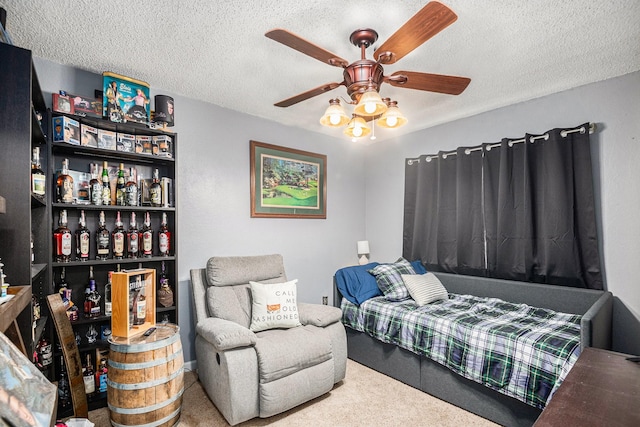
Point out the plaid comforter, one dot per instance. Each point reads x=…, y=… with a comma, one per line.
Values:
x=521, y=351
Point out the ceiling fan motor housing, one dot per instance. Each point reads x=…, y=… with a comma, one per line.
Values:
x=359, y=74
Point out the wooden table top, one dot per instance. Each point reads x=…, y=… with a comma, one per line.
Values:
x=602, y=389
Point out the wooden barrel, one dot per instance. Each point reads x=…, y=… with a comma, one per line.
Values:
x=145, y=379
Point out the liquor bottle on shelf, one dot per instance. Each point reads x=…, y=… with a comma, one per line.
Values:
x=64, y=390
x=117, y=236
x=165, y=294
x=87, y=376
x=164, y=237
x=44, y=351
x=92, y=298
x=38, y=178
x=146, y=238
x=120, y=192
x=95, y=186
x=131, y=190
x=103, y=239
x=101, y=377
x=62, y=239
x=106, y=184
x=64, y=184
x=37, y=313
x=132, y=238
x=83, y=238
x=139, y=301
x=107, y=295
x=155, y=190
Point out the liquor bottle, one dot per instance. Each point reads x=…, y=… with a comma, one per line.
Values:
x=117, y=236
x=37, y=313
x=101, y=377
x=107, y=296
x=132, y=237
x=120, y=194
x=146, y=238
x=64, y=184
x=91, y=298
x=139, y=302
x=165, y=294
x=87, y=376
x=38, y=178
x=83, y=237
x=44, y=350
x=131, y=190
x=164, y=237
x=64, y=390
x=155, y=190
x=106, y=185
x=95, y=186
x=62, y=239
x=103, y=239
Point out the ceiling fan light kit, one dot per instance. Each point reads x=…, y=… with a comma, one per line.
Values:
x=364, y=77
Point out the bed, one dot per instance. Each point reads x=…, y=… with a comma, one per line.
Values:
x=581, y=317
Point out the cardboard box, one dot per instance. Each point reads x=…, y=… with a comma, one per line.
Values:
x=143, y=144
x=86, y=107
x=125, y=142
x=106, y=139
x=165, y=145
x=127, y=288
x=88, y=136
x=125, y=99
x=62, y=103
x=66, y=130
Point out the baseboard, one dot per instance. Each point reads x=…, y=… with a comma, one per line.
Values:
x=191, y=365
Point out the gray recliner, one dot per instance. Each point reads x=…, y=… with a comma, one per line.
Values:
x=260, y=374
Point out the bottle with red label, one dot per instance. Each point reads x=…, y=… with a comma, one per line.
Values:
x=164, y=237
x=117, y=236
x=132, y=238
x=146, y=238
x=62, y=239
x=83, y=237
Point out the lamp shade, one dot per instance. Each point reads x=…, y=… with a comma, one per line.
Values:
x=334, y=115
x=393, y=117
x=370, y=104
x=363, y=247
x=357, y=128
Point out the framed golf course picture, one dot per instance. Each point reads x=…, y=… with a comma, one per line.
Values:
x=287, y=183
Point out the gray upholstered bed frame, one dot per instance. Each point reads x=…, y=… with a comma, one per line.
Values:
x=433, y=378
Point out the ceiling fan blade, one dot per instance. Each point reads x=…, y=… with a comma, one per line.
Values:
x=306, y=47
x=428, y=22
x=451, y=85
x=308, y=94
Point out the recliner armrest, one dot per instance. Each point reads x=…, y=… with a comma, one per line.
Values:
x=224, y=334
x=318, y=315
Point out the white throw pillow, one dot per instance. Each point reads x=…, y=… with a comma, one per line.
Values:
x=425, y=288
x=273, y=305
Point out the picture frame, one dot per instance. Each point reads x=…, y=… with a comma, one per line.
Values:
x=287, y=183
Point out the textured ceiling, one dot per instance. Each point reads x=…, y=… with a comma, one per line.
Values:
x=216, y=51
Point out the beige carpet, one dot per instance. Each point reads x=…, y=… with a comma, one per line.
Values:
x=364, y=398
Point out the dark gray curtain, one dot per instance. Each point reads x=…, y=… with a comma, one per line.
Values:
x=522, y=211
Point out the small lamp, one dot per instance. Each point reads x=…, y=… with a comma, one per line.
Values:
x=393, y=117
x=357, y=128
x=370, y=103
x=363, y=252
x=334, y=115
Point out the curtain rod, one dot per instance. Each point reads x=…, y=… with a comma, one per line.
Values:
x=563, y=133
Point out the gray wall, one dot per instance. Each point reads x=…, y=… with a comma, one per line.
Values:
x=366, y=184
x=213, y=194
x=613, y=104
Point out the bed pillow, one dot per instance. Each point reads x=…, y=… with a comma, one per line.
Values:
x=425, y=288
x=418, y=267
x=356, y=284
x=273, y=306
x=389, y=279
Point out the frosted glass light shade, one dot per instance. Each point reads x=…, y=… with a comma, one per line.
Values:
x=357, y=128
x=334, y=115
x=370, y=104
x=393, y=117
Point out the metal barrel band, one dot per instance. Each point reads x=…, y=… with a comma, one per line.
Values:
x=135, y=411
x=152, y=424
x=139, y=348
x=143, y=365
x=147, y=384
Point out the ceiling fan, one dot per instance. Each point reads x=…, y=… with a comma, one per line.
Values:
x=367, y=74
